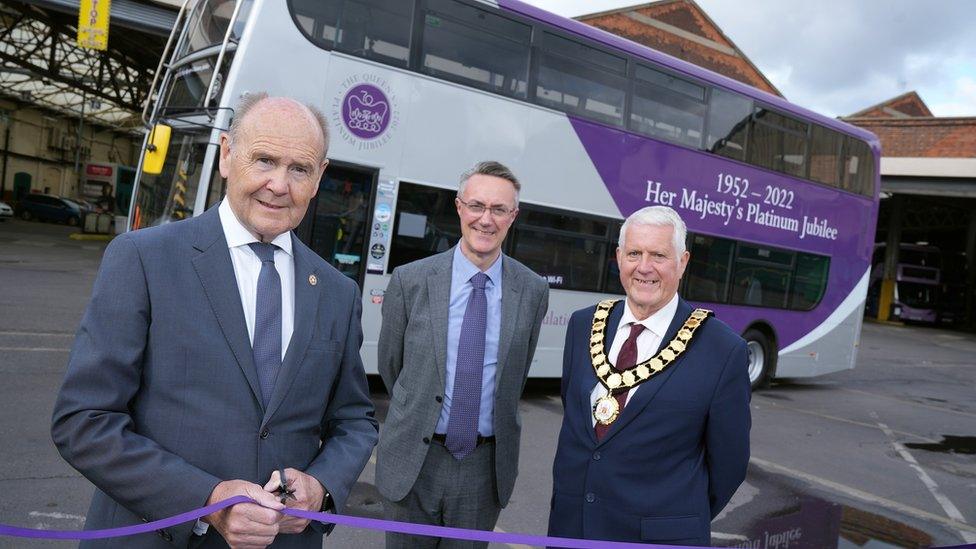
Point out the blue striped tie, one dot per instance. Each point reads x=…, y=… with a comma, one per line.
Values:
x=462, y=426
x=267, y=320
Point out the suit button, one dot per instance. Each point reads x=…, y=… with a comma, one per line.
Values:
x=590, y=498
x=426, y=440
x=165, y=535
x=596, y=456
x=265, y=434
x=438, y=398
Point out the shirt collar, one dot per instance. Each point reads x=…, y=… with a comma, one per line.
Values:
x=237, y=235
x=464, y=269
x=657, y=323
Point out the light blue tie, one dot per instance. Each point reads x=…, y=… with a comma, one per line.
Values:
x=267, y=320
x=462, y=426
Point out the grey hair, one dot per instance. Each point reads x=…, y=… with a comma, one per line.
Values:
x=247, y=102
x=494, y=169
x=659, y=216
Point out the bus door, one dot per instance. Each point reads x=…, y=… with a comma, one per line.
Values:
x=337, y=224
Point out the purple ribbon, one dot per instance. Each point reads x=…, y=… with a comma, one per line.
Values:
x=328, y=518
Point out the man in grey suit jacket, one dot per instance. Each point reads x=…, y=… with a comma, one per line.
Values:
x=455, y=369
x=216, y=351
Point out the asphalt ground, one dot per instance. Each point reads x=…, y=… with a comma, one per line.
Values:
x=878, y=456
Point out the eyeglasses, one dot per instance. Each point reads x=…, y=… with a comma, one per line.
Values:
x=477, y=208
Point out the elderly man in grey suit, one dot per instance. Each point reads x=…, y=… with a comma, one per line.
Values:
x=459, y=332
x=219, y=350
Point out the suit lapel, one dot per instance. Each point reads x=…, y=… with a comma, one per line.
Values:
x=438, y=305
x=511, y=301
x=216, y=272
x=647, y=390
x=307, y=299
x=589, y=378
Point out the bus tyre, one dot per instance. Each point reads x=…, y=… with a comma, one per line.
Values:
x=761, y=355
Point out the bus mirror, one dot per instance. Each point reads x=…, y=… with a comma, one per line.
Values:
x=156, y=148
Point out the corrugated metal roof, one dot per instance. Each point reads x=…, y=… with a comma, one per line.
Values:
x=125, y=13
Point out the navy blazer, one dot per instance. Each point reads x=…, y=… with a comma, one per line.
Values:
x=674, y=456
x=161, y=399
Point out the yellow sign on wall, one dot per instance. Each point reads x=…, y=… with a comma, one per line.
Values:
x=93, y=24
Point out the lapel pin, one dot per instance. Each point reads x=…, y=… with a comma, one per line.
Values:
x=313, y=280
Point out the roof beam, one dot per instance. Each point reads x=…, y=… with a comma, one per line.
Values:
x=42, y=44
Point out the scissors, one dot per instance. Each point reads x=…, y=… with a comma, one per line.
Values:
x=283, y=492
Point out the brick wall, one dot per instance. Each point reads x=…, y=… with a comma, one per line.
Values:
x=923, y=137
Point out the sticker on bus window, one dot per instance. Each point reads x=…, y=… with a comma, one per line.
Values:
x=377, y=251
x=412, y=225
x=382, y=213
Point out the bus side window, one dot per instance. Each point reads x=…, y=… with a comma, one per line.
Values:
x=425, y=223
x=611, y=284
x=374, y=29
x=778, y=142
x=581, y=79
x=858, y=169
x=810, y=281
x=762, y=276
x=564, y=248
x=476, y=47
x=708, y=269
x=668, y=107
x=825, y=147
x=728, y=122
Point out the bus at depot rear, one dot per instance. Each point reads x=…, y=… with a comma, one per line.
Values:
x=918, y=280
x=780, y=202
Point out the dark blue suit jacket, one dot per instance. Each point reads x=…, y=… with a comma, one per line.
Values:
x=161, y=399
x=674, y=456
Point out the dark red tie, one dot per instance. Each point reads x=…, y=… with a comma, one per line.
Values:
x=627, y=358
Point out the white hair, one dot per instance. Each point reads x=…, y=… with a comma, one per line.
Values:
x=659, y=216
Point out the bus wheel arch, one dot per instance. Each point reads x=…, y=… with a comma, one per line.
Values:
x=763, y=351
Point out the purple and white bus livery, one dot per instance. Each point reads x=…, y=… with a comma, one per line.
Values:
x=780, y=202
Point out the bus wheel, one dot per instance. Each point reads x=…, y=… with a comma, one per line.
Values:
x=760, y=357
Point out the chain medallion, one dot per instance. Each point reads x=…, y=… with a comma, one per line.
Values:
x=606, y=409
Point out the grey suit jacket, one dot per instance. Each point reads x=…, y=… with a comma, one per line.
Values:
x=161, y=399
x=412, y=361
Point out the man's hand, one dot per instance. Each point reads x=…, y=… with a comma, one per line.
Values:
x=308, y=496
x=245, y=525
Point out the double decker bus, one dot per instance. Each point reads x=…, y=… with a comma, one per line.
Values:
x=780, y=202
x=918, y=280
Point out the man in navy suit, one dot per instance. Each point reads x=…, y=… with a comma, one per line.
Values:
x=655, y=434
x=219, y=350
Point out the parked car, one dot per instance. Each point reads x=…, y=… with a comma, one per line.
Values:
x=49, y=208
x=83, y=205
x=6, y=211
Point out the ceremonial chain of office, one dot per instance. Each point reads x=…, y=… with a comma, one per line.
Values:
x=606, y=409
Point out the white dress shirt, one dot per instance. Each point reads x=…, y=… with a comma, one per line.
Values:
x=655, y=326
x=247, y=268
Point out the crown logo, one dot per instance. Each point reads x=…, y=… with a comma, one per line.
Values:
x=366, y=113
